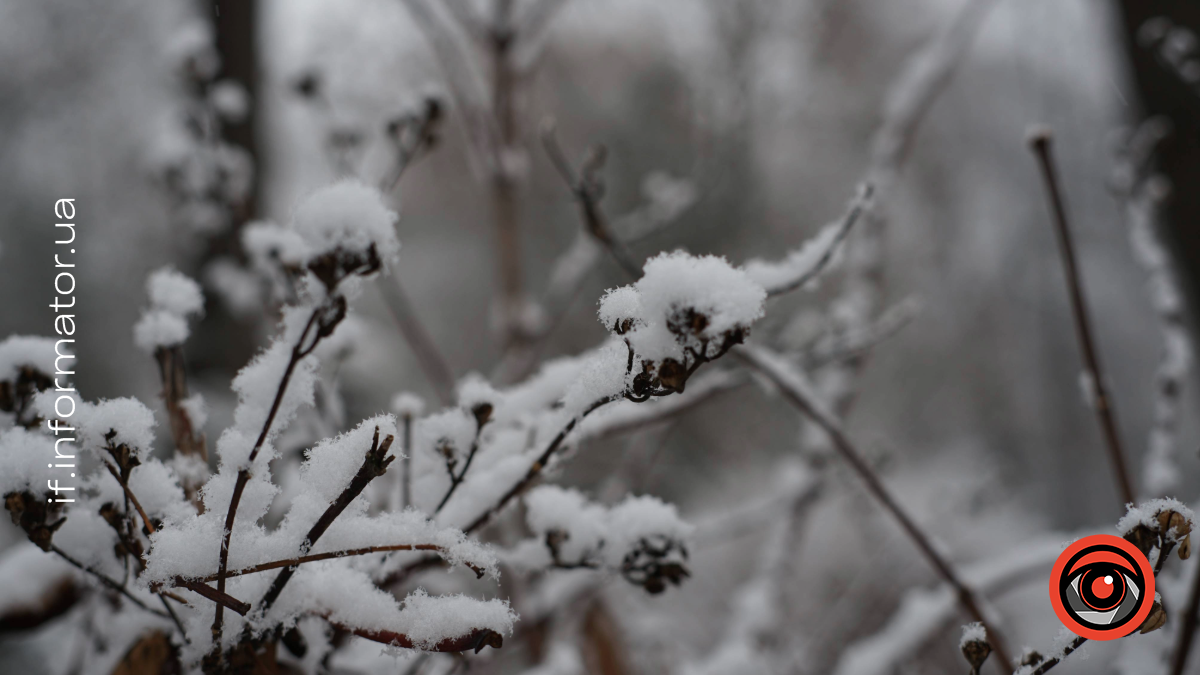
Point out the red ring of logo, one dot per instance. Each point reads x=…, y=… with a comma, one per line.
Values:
x=1100, y=547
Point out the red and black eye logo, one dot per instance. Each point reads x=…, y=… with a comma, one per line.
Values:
x=1102, y=587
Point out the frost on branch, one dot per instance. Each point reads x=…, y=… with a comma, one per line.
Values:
x=804, y=265
x=642, y=537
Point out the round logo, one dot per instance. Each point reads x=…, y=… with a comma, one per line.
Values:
x=1102, y=587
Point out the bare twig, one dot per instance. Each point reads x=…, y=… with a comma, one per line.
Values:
x=463, y=80
x=106, y=581
x=536, y=469
x=1040, y=143
x=429, y=357
x=412, y=136
x=795, y=390
x=588, y=189
x=132, y=497
x=456, y=480
x=220, y=597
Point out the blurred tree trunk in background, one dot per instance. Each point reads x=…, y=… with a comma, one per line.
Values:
x=1164, y=93
x=236, y=24
x=223, y=342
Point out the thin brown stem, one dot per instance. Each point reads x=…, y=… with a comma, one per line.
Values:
x=220, y=597
x=1187, y=630
x=130, y=496
x=298, y=352
x=503, y=178
x=1040, y=143
x=535, y=470
x=587, y=191
x=107, y=581
x=174, y=617
x=455, y=481
x=796, y=392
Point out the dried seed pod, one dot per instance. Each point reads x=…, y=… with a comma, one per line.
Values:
x=976, y=652
x=974, y=645
x=1185, y=547
x=1143, y=538
x=1179, y=524
x=482, y=413
x=1155, y=620
x=673, y=375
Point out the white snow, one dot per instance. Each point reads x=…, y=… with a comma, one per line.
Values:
x=27, y=350
x=159, y=328
x=972, y=632
x=174, y=292
x=1147, y=512
x=408, y=404
x=349, y=215
x=131, y=422
x=23, y=458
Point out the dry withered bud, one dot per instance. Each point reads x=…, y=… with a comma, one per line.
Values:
x=1174, y=526
x=1143, y=538
x=672, y=375
x=307, y=85
x=482, y=413
x=1155, y=620
x=37, y=517
x=16, y=396
x=295, y=643
x=654, y=564
x=975, y=651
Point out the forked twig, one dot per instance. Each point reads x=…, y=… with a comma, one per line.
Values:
x=375, y=464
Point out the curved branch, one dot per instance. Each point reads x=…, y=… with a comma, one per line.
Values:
x=795, y=390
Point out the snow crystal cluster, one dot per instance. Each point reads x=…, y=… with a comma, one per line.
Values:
x=173, y=298
x=27, y=365
x=641, y=537
x=685, y=310
x=340, y=231
x=1148, y=514
x=18, y=352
